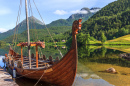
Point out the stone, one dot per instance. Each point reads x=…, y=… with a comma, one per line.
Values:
x=111, y=70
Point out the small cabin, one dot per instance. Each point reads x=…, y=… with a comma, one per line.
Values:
x=63, y=40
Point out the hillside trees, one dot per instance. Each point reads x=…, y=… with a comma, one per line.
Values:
x=88, y=38
x=103, y=38
x=113, y=20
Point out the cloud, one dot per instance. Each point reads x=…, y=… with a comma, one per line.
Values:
x=60, y=12
x=4, y=11
x=3, y=30
x=79, y=12
x=93, y=11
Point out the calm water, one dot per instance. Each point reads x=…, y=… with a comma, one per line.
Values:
x=92, y=60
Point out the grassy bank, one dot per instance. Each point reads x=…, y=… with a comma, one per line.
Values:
x=124, y=40
x=121, y=40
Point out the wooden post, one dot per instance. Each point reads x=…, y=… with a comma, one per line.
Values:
x=36, y=56
x=21, y=55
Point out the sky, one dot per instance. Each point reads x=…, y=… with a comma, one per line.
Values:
x=50, y=10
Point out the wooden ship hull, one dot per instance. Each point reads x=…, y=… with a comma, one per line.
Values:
x=61, y=73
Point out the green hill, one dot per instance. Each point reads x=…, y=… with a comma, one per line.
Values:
x=39, y=34
x=113, y=20
x=33, y=23
x=76, y=16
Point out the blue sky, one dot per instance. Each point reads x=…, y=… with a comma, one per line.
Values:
x=50, y=10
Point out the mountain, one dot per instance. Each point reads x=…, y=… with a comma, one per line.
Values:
x=34, y=23
x=84, y=13
x=113, y=20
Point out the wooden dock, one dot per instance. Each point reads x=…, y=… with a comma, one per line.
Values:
x=6, y=78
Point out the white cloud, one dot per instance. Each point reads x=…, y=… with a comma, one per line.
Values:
x=3, y=30
x=93, y=11
x=60, y=12
x=79, y=12
x=4, y=11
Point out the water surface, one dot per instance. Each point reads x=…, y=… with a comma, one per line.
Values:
x=92, y=60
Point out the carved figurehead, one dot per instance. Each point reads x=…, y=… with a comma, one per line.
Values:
x=76, y=26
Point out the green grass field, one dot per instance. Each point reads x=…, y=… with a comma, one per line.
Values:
x=121, y=40
x=118, y=41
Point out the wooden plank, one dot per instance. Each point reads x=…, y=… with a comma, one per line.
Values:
x=21, y=54
x=37, y=56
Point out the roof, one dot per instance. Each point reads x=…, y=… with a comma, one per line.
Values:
x=41, y=44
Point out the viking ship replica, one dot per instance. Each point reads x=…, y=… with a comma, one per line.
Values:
x=59, y=72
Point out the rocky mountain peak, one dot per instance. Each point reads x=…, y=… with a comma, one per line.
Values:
x=95, y=9
x=33, y=19
x=84, y=13
x=85, y=9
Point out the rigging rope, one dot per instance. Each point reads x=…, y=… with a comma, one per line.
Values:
x=47, y=28
x=40, y=78
x=16, y=27
x=36, y=36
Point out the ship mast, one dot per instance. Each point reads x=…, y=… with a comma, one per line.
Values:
x=27, y=24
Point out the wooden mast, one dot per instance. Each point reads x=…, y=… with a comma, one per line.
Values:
x=27, y=24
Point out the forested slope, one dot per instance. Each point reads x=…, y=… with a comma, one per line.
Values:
x=113, y=20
